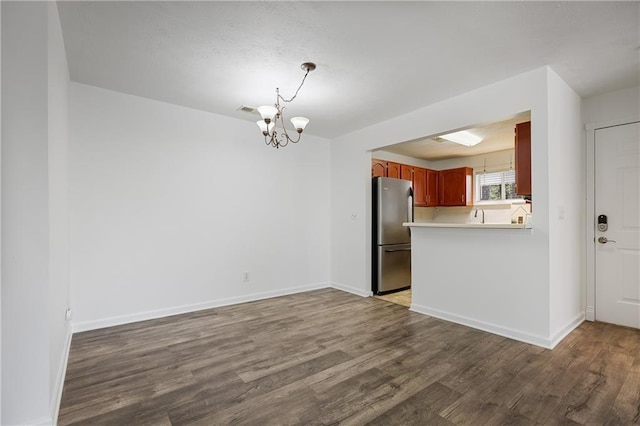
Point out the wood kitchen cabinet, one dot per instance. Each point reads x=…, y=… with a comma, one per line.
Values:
x=416, y=175
x=406, y=172
x=431, y=186
x=424, y=181
x=523, y=158
x=418, y=178
x=393, y=170
x=456, y=187
x=419, y=187
x=378, y=168
x=385, y=168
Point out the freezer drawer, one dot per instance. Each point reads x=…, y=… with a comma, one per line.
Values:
x=393, y=267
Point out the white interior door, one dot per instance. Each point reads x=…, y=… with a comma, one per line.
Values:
x=617, y=195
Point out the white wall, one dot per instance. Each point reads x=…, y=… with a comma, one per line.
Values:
x=35, y=292
x=25, y=215
x=566, y=203
x=0, y=212
x=620, y=105
x=481, y=278
x=350, y=258
x=58, y=89
x=613, y=108
x=169, y=206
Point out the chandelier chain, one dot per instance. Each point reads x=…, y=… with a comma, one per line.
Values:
x=297, y=90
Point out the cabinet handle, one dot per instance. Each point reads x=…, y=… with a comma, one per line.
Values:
x=462, y=198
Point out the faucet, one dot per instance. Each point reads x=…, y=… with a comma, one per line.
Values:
x=476, y=214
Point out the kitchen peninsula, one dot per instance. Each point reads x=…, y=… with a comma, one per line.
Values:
x=468, y=225
x=475, y=274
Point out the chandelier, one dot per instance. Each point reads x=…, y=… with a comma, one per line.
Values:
x=273, y=116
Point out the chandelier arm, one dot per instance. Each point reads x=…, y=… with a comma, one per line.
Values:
x=285, y=140
x=277, y=143
x=284, y=133
x=296, y=140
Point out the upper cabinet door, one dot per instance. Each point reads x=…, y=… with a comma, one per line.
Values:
x=378, y=168
x=523, y=158
x=419, y=187
x=456, y=187
x=431, y=187
x=406, y=172
x=393, y=170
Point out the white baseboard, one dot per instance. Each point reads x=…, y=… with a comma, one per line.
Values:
x=349, y=289
x=159, y=313
x=568, y=328
x=485, y=326
x=42, y=421
x=62, y=372
x=590, y=313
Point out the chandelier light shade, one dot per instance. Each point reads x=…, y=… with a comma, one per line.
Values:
x=273, y=116
x=266, y=129
x=299, y=123
x=268, y=113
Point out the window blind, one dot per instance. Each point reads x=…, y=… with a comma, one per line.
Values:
x=495, y=178
x=491, y=178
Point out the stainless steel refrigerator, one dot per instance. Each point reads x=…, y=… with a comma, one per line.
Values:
x=391, y=257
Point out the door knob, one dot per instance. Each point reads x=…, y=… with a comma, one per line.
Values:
x=604, y=240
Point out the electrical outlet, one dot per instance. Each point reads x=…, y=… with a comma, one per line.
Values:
x=67, y=314
x=245, y=277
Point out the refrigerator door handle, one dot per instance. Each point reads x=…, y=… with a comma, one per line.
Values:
x=410, y=206
x=395, y=250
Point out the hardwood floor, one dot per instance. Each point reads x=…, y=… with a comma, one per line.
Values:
x=329, y=357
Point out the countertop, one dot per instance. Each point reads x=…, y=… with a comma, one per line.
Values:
x=468, y=225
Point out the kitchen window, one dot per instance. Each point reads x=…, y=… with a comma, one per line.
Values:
x=496, y=186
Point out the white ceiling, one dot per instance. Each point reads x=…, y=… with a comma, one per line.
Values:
x=376, y=60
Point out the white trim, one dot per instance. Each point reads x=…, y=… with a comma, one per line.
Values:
x=160, y=313
x=590, y=248
x=1, y=286
x=568, y=328
x=590, y=314
x=62, y=372
x=42, y=421
x=484, y=326
x=352, y=290
x=590, y=219
x=611, y=123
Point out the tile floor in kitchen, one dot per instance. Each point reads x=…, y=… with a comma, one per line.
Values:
x=400, y=297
